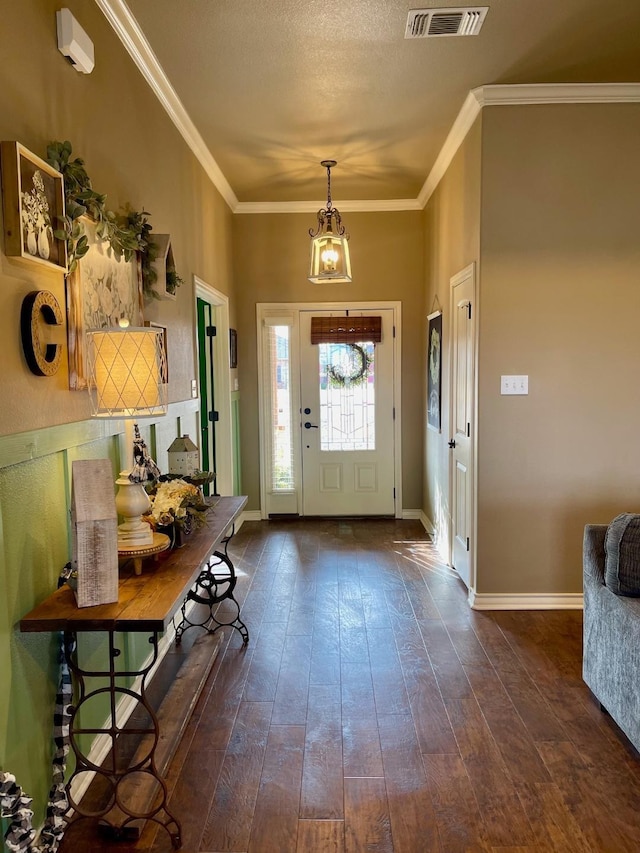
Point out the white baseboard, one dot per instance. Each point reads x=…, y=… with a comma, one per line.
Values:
x=250, y=515
x=535, y=601
x=411, y=514
x=426, y=523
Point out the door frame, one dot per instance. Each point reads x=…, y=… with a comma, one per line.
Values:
x=468, y=272
x=265, y=309
x=221, y=378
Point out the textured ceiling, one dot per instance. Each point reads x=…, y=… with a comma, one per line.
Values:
x=275, y=86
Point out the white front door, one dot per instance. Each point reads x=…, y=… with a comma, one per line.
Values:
x=347, y=422
x=462, y=421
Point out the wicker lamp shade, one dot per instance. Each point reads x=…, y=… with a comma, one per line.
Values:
x=127, y=369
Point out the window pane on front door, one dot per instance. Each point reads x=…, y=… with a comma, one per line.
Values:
x=347, y=396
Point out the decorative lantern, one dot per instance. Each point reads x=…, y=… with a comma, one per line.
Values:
x=184, y=457
x=330, y=259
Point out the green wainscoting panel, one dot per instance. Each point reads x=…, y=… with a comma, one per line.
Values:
x=235, y=435
x=33, y=550
x=35, y=485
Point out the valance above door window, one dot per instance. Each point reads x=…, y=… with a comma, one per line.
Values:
x=345, y=330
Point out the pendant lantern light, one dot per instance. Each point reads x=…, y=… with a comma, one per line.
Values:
x=330, y=261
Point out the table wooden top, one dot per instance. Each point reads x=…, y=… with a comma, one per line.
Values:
x=146, y=602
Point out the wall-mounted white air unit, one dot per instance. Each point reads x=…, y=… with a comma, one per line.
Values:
x=74, y=43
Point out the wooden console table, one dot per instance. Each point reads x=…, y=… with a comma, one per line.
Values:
x=146, y=603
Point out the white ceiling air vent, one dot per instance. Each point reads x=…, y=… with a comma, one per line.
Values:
x=464, y=21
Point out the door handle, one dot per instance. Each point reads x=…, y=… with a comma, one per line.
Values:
x=452, y=443
x=308, y=425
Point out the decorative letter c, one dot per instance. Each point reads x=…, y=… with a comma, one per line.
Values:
x=42, y=363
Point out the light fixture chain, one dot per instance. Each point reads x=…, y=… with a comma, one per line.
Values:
x=328, y=187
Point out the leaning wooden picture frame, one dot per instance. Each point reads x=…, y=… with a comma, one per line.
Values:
x=33, y=207
x=101, y=291
x=434, y=370
x=94, y=533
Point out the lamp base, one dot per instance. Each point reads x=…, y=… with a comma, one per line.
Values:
x=140, y=534
x=131, y=503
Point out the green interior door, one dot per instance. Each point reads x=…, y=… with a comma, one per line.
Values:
x=208, y=413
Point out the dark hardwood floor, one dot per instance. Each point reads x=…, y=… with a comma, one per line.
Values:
x=374, y=711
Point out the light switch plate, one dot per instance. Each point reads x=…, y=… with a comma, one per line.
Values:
x=194, y=388
x=514, y=385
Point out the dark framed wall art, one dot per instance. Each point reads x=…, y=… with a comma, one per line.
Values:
x=233, y=348
x=434, y=370
x=33, y=207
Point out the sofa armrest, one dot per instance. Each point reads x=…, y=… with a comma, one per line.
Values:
x=593, y=556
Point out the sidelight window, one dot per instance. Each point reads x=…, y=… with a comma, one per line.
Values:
x=279, y=348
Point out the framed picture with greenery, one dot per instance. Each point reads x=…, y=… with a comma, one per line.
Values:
x=101, y=291
x=434, y=370
x=33, y=207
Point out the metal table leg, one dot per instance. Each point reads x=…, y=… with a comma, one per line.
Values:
x=124, y=782
x=215, y=584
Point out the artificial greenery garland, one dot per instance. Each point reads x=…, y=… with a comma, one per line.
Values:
x=126, y=232
x=359, y=373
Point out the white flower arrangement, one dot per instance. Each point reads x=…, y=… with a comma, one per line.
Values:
x=35, y=207
x=174, y=500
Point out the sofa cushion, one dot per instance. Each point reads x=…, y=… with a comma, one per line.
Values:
x=622, y=555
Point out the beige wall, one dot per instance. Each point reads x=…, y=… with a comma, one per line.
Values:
x=545, y=199
x=559, y=301
x=387, y=262
x=452, y=242
x=132, y=153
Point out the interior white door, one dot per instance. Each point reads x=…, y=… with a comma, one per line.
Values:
x=347, y=434
x=462, y=421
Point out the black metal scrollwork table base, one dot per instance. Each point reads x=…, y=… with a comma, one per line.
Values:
x=215, y=584
x=123, y=805
x=147, y=603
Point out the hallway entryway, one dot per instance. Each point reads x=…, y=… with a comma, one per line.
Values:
x=330, y=409
x=373, y=710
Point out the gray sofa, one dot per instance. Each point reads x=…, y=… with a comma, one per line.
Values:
x=611, y=653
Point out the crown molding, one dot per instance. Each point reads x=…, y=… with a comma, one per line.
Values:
x=130, y=34
x=128, y=31
x=512, y=95
x=354, y=206
x=558, y=93
x=462, y=125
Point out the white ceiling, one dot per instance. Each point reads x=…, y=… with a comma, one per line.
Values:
x=271, y=87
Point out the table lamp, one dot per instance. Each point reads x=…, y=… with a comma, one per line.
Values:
x=127, y=379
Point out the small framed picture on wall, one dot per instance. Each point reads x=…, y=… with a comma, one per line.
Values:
x=434, y=370
x=33, y=207
x=233, y=348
